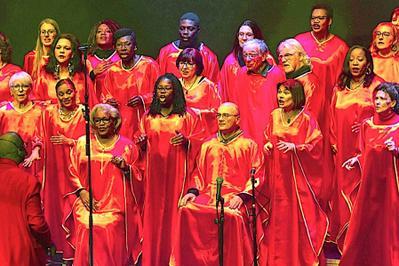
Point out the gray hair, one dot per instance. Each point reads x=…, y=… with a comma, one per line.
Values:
x=294, y=46
x=260, y=43
x=109, y=109
x=20, y=76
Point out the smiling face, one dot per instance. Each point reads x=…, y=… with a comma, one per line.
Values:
x=319, y=21
x=63, y=51
x=358, y=63
x=383, y=37
x=164, y=92
x=253, y=57
x=66, y=96
x=245, y=33
x=383, y=102
x=103, y=124
x=47, y=34
x=104, y=35
x=20, y=90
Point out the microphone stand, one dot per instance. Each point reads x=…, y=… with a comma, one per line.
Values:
x=220, y=222
x=253, y=214
x=85, y=49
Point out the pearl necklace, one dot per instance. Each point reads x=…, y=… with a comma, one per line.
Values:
x=66, y=116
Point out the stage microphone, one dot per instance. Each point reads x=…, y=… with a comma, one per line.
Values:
x=252, y=172
x=219, y=182
x=84, y=47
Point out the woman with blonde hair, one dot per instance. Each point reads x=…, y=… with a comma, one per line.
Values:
x=47, y=32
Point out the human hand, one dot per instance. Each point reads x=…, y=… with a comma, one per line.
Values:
x=101, y=67
x=178, y=139
x=61, y=139
x=35, y=155
x=356, y=127
x=85, y=198
x=285, y=146
x=236, y=202
x=267, y=148
x=113, y=102
x=350, y=163
x=119, y=162
x=141, y=141
x=188, y=197
x=132, y=102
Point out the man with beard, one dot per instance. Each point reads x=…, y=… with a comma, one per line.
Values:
x=129, y=82
x=189, y=28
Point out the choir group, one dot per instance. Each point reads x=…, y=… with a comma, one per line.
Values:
x=318, y=128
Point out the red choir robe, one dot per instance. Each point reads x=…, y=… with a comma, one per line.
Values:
x=56, y=163
x=327, y=59
x=5, y=74
x=166, y=171
x=116, y=222
x=169, y=53
x=256, y=97
x=29, y=64
x=27, y=125
x=196, y=235
x=298, y=225
x=386, y=67
x=348, y=107
x=44, y=87
x=373, y=234
x=23, y=229
x=93, y=61
x=122, y=84
x=204, y=97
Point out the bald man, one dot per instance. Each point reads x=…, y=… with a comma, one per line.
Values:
x=189, y=28
x=24, y=233
x=231, y=156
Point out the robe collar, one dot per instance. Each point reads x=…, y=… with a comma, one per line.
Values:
x=299, y=72
x=231, y=138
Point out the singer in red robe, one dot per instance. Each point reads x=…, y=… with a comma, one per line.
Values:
x=255, y=89
x=326, y=50
x=189, y=27
x=168, y=144
x=373, y=234
x=384, y=49
x=62, y=125
x=298, y=226
x=230, y=156
x=24, y=233
x=6, y=68
x=129, y=83
x=350, y=105
x=23, y=116
x=115, y=184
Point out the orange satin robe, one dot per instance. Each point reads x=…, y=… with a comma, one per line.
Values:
x=373, y=235
x=166, y=171
x=44, y=87
x=204, y=97
x=169, y=53
x=116, y=222
x=122, y=84
x=387, y=67
x=348, y=107
x=29, y=61
x=92, y=62
x=5, y=74
x=298, y=225
x=56, y=163
x=198, y=245
x=27, y=125
x=256, y=97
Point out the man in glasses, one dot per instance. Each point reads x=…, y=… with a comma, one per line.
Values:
x=189, y=28
x=230, y=156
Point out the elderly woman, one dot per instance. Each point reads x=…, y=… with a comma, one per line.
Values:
x=62, y=124
x=34, y=60
x=6, y=68
x=373, y=236
x=102, y=52
x=297, y=226
x=384, y=51
x=200, y=92
x=247, y=30
x=64, y=62
x=351, y=104
x=23, y=116
x=115, y=184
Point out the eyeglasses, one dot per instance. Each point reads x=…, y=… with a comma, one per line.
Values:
x=105, y=120
x=286, y=56
x=250, y=56
x=319, y=18
x=186, y=64
x=20, y=86
x=384, y=33
x=49, y=32
x=224, y=115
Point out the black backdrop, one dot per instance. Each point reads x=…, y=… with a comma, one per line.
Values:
x=155, y=21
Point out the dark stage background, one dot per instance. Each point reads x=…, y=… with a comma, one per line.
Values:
x=155, y=21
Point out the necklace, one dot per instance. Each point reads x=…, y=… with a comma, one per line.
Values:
x=66, y=116
x=191, y=86
x=289, y=118
x=354, y=85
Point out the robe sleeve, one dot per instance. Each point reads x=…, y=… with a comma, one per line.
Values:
x=74, y=177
